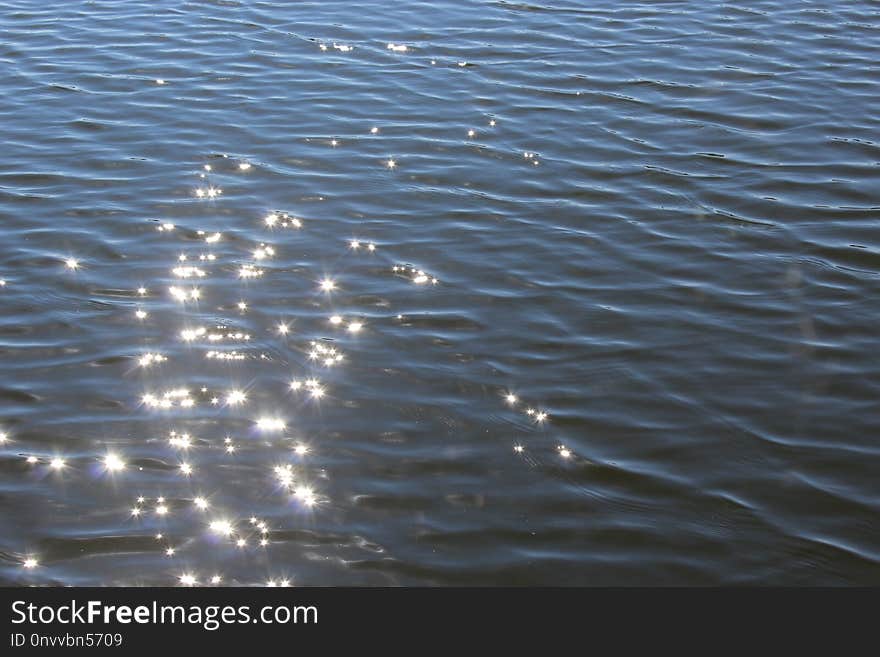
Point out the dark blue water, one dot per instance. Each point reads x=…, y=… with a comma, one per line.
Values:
x=655, y=223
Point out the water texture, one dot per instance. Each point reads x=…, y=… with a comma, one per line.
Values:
x=558, y=293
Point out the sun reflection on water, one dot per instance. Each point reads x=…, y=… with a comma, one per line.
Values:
x=264, y=430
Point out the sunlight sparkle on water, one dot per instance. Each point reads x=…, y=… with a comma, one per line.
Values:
x=113, y=463
x=222, y=527
x=329, y=356
x=263, y=251
x=188, y=272
x=225, y=355
x=283, y=219
x=284, y=474
x=181, y=396
x=271, y=424
x=190, y=496
x=305, y=495
x=181, y=441
x=236, y=397
x=150, y=359
x=183, y=295
x=189, y=335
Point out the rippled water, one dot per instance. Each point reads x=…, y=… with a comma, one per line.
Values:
x=662, y=233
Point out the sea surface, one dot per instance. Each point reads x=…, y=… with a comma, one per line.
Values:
x=439, y=293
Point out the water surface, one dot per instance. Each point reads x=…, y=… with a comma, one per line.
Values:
x=654, y=223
